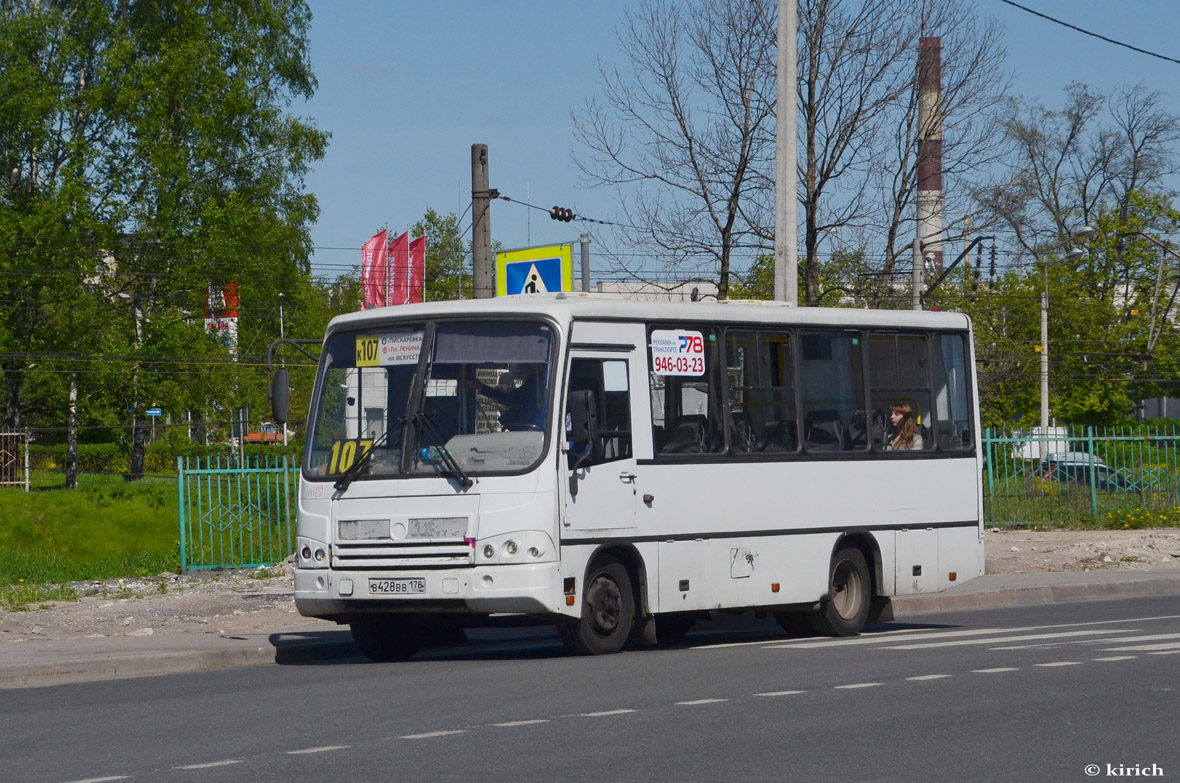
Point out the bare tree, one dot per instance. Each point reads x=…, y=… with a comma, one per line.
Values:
x=686, y=131
x=686, y=127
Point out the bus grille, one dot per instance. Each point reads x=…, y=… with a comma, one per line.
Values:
x=386, y=555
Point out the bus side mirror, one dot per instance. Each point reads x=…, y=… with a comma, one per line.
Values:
x=280, y=395
x=583, y=418
x=583, y=431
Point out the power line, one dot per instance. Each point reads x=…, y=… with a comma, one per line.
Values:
x=1089, y=33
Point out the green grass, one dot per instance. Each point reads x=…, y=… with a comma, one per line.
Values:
x=106, y=528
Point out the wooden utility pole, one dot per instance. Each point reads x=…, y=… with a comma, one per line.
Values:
x=481, y=223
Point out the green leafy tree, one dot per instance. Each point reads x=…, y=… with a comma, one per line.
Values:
x=155, y=135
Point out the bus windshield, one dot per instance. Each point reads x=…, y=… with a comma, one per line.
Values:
x=432, y=399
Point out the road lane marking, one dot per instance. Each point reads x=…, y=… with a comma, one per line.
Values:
x=430, y=734
x=511, y=723
x=962, y=642
x=209, y=764
x=858, y=685
x=604, y=713
x=1164, y=652
x=924, y=677
x=994, y=671
x=1059, y=663
x=779, y=693
x=698, y=701
x=101, y=780
x=1118, y=658
x=1145, y=647
x=321, y=749
x=861, y=640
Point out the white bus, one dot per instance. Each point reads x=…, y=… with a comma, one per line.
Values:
x=621, y=468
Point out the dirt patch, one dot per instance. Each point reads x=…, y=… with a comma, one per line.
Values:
x=229, y=602
x=1032, y=551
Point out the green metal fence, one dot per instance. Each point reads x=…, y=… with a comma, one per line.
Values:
x=234, y=515
x=1119, y=477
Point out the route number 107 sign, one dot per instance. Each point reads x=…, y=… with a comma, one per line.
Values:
x=677, y=352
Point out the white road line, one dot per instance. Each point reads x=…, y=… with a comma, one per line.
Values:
x=604, y=713
x=101, y=780
x=994, y=671
x=322, y=749
x=962, y=642
x=1119, y=658
x=698, y=701
x=776, y=642
x=779, y=693
x=924, y=677
x=511, y=723
x=209, y=764
x=858, y=685
x=1059, y=663
x=861, y=640
x=1164, y=652
x=431, y=734
x=1145, y=647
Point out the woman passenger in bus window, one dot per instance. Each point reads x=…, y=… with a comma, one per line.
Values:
x=906, y=435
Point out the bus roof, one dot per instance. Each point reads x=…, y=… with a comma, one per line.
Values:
x=565, y=307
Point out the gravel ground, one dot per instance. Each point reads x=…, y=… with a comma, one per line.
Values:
x=231, y=602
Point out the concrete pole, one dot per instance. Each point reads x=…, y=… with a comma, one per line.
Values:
x=481, y=225
x=919, y=262
x=786, y=239
x=585, y=240
x=1045, y=362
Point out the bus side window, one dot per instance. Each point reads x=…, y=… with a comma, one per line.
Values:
x=607, y=378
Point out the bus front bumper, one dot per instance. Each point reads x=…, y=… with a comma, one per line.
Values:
x=526, y=589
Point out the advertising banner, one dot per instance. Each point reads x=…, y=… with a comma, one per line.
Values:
x=374, y=268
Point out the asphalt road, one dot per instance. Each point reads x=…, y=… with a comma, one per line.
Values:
x=1029, y=694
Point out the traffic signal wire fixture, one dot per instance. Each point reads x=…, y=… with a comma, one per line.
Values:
x=563, y=214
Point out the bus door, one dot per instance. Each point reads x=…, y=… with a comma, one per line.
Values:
x=608, y=488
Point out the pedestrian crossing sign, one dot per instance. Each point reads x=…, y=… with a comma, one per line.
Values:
x=535, y=270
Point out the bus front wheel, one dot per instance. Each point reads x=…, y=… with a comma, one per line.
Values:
x=387, y=638
x=845, y=608
x=608, y=612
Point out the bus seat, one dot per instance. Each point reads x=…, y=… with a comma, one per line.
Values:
x=945, y=434
x=686, y=435
x=856, y=437
x=824, y=430
x=779, y=436
x=741, y=433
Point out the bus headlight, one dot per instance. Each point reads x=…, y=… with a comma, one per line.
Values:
x=310, y=553
x=489, y=551
x=510, y=547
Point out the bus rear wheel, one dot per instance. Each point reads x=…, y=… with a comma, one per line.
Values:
x=608, y=612
x=388, y=638
x=845, y=608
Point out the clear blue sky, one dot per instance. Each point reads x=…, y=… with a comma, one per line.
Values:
x=405, y=88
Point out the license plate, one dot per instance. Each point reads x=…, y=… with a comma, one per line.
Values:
x=413, y=585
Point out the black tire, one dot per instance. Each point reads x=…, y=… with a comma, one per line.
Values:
x=672, y=628
x=608, y=612
x=845, y=608
x=388, y=638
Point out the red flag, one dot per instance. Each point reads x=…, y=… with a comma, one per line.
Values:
x=374, y=268
x=417, y=273
x=399, y=291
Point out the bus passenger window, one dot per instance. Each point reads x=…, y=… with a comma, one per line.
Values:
x=608, y=379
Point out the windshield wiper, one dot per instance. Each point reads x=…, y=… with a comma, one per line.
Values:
x=447, y=458
x=354, y=469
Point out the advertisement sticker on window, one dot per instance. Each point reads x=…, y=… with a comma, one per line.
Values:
x=677, y=352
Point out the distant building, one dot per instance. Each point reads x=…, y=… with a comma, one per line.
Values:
x=686, y=291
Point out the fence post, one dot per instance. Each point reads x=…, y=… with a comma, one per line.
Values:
x=180, y=505
x=989, y=468
x=1093, y=471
